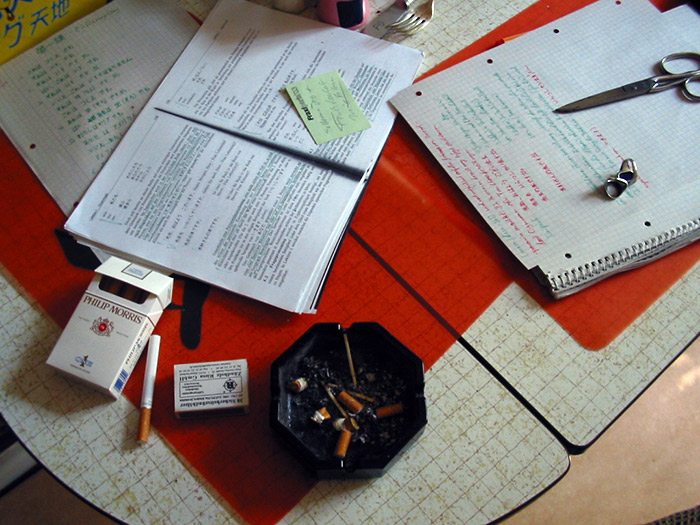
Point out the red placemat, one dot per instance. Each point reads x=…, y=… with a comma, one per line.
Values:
x=237, y=455
x=420, y=224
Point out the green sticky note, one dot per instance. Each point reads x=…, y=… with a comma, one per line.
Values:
x=327, y=107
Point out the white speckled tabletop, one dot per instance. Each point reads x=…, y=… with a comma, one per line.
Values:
x=484, y=452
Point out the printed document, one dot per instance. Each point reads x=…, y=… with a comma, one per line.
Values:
x=219, y=179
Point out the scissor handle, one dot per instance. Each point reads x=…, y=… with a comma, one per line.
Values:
x=683, y=79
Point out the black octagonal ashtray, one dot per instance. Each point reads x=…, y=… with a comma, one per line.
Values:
x=347, y=402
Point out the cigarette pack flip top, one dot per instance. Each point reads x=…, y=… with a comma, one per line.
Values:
x=111, y=325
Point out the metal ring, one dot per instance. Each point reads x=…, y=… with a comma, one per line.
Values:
x=626, y=176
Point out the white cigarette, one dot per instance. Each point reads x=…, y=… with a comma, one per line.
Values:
x=149, y=380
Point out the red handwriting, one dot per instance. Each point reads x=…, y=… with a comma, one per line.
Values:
x=540, y=84
x=558, y=183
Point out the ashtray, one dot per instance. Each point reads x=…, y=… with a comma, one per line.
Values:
x=347, y=401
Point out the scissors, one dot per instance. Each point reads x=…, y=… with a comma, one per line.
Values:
x=649, y=85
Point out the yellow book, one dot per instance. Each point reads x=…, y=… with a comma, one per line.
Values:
x=25, y=24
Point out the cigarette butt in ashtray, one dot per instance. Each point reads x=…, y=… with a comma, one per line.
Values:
x=341, y=447
x=389, y=410
x=350, y=402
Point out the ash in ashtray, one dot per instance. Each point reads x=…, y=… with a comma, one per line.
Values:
x=347, y=403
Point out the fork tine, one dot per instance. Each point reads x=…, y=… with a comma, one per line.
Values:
x=414, y=23
x=411, y=21
x=410, y=24
x=416, y=28
x=409, y=29
x=403, y=21
x=400, y=20
x=404, y=16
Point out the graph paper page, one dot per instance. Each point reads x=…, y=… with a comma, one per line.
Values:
x=536, y=176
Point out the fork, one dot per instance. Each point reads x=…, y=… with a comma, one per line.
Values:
x=414, y=19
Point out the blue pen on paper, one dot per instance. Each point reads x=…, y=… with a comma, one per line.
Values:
x=149, y=381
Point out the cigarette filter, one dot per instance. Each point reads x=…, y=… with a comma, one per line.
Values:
x=352, y=404
x=149, y=381
x=341, y=447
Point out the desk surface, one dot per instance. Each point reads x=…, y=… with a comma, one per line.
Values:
x=89, y=444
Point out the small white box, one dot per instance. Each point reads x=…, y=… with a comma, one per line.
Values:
x=111, y=325
x=211, y=388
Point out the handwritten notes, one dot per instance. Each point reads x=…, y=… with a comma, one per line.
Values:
x=92, y=107
x=327, y=108
x=490, y=141
x=67, y=102
x=515, y=159
x=537, y=176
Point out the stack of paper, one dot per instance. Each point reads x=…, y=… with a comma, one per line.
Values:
x=219, y=179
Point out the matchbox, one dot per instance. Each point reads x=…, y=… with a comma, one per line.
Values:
x=111, y=325
x=215, y=387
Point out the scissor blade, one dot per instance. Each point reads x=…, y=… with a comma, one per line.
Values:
x=606, y=97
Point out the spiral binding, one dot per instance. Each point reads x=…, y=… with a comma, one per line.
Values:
x=566, y=282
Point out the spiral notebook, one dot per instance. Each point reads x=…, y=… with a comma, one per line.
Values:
x=537, y=176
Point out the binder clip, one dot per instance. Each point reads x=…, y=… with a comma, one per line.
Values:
x=616, y=185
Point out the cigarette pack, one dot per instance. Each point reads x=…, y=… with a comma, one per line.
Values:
x=111, y=325
x=211, y=388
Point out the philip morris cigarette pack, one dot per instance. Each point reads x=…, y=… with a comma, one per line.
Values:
x=111, y=325
x=211, y=388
